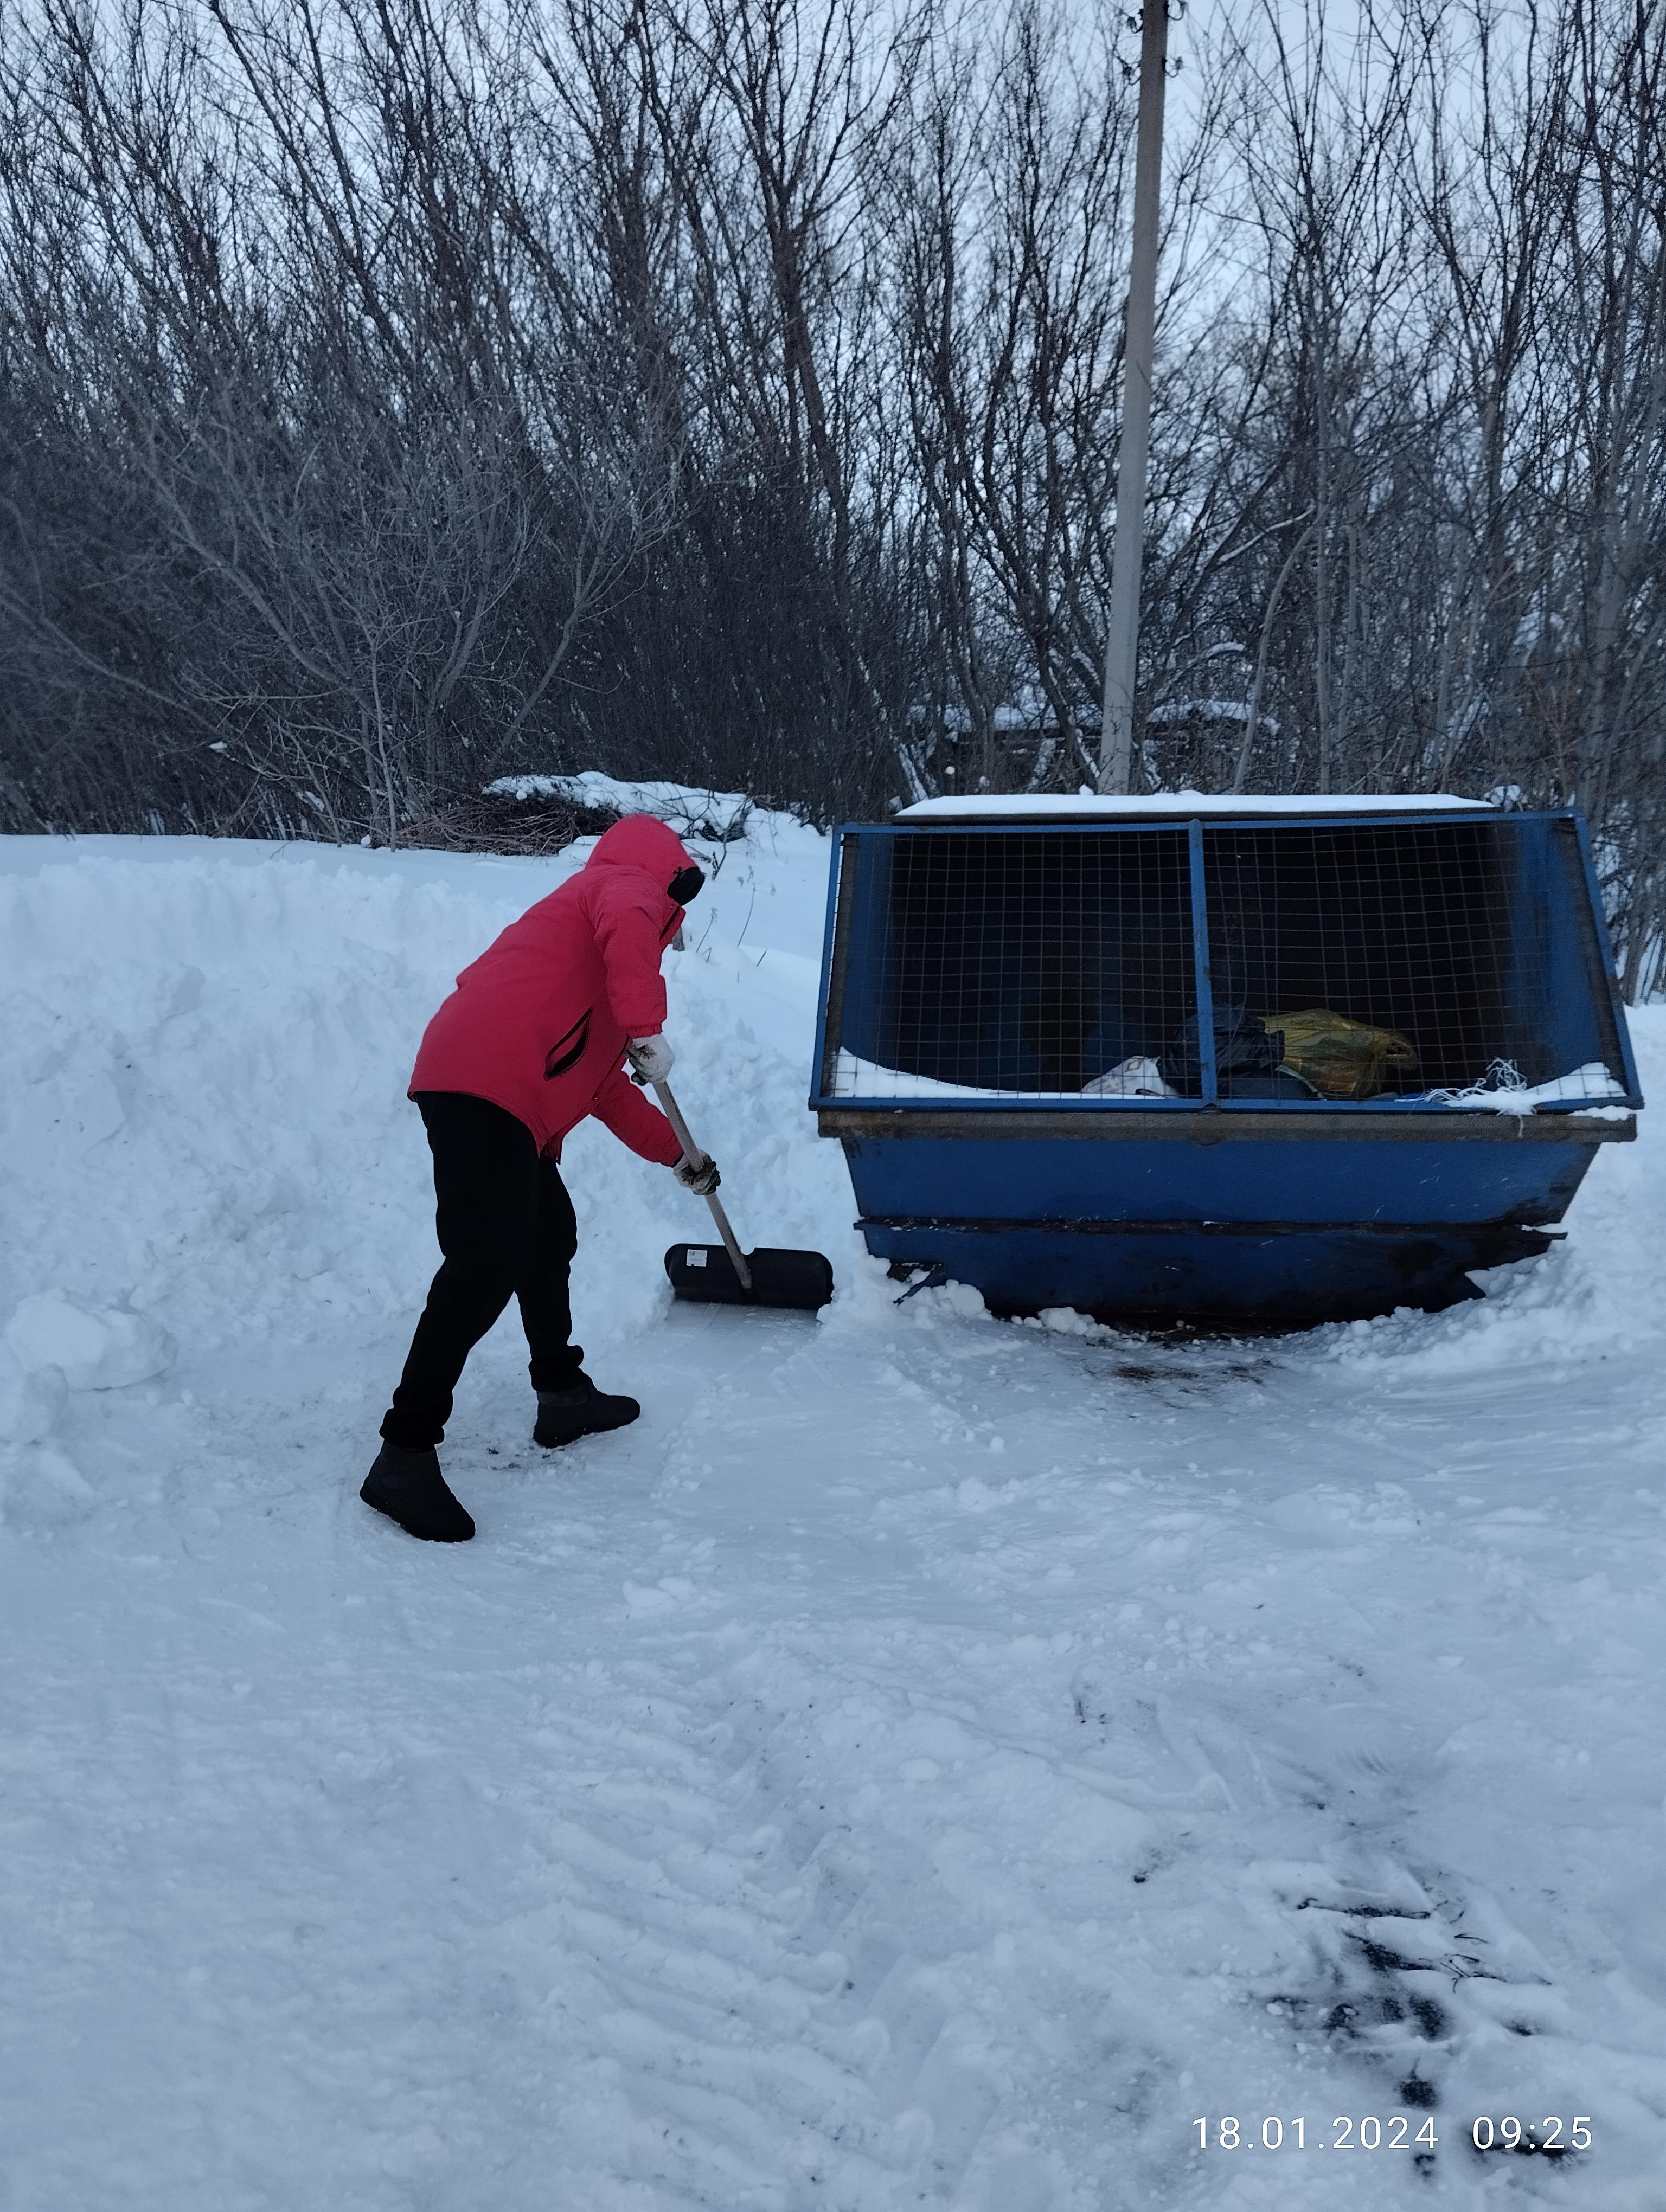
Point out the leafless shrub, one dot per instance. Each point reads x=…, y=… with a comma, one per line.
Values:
x=492, y=823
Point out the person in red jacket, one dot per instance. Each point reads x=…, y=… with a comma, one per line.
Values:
x=533, y=1039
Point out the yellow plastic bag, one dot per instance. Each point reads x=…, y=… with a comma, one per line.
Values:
x=1341, y=1058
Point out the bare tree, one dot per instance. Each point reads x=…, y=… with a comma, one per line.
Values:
x=395, y=396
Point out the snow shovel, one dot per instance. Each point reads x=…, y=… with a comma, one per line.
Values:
x=722, y=1275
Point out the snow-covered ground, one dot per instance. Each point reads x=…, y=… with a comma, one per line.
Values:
x=926, y=1762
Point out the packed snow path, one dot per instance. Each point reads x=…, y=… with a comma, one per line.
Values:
x=926, y=1762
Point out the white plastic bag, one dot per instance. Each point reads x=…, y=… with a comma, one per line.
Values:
x=1137, y=1078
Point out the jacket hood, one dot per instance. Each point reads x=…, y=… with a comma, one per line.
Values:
x=643, y=842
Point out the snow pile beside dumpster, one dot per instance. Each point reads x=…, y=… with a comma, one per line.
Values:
x=210, y=1042
x=1601, y=1290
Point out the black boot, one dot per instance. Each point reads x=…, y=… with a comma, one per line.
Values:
x=582, y=1410
x=408, y=1487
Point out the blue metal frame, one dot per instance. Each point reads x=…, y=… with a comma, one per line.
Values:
x=836, y=861
x=1605, y=946
x=1204, y=991
x=1209, y=1101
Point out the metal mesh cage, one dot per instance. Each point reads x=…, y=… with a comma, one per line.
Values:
x=1389, y=960
x=1021, y=962
x=1405, y=930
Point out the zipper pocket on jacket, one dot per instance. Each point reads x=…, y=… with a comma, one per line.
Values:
x=567, y=1051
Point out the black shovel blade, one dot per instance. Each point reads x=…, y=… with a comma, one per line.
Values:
x=706, y=1273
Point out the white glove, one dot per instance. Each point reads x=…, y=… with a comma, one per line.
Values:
x=652, y=1058
x=700, y=1175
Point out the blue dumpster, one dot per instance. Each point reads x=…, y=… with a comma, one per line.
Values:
x=1236, y=1061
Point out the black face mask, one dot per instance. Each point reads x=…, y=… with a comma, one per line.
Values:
x=685, y=884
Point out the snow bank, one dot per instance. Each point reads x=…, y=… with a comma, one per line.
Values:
x=210, y=1042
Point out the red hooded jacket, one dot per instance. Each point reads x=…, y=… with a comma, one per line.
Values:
x=539, y=1023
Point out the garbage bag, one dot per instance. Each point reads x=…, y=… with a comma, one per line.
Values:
x=1244, y=1046
x=1284, y=1083
x=1342, y=1057
x=1137, y=1078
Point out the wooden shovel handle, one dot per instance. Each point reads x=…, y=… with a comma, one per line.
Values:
x=673, y=1113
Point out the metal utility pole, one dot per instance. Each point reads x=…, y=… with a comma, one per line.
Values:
x=1122, y=628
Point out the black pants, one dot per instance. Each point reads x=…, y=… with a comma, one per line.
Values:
x=506, y=1230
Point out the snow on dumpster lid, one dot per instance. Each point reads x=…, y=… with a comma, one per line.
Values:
x=1180, y=805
